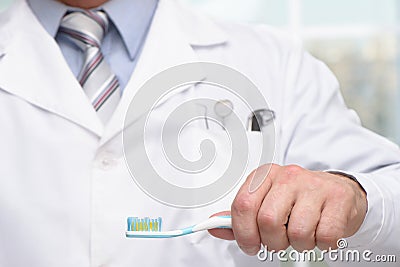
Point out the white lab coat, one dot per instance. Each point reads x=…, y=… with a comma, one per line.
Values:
x=65, y=190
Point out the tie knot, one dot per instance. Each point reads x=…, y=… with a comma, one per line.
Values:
x=85, y=28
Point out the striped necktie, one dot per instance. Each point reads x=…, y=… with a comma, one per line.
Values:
x=86, y=29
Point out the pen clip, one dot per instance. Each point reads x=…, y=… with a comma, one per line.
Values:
x=260, y=118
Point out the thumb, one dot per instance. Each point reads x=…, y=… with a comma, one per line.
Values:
x=226, y=234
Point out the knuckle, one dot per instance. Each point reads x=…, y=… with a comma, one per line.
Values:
x=293, y=170
x=290, y=173
x=242, y=204
x=298, y=234
x=267, y=220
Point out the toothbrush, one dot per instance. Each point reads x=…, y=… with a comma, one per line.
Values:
x=151, y=228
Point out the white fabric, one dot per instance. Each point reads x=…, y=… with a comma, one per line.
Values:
x=65, y=191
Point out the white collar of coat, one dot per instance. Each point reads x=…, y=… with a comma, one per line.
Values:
x=22, y=39
x=200, y=29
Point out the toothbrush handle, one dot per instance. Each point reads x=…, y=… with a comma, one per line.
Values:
x=213, y=223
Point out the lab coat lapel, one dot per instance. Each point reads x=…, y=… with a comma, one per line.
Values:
x=167, y=45
x=33, y=68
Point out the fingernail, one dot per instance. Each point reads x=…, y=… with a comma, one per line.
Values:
x=258, y=178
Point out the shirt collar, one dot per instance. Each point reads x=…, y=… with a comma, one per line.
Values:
x=49, y=13
x=132, y=18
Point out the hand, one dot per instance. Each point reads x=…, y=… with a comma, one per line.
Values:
x=296, y=207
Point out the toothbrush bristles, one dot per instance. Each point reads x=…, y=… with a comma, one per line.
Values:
x=144, y=224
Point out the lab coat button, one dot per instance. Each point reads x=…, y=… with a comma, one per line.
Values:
x=106, y=161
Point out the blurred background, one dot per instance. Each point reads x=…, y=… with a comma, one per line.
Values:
x=359, y=40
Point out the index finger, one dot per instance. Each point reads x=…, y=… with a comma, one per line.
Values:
x=245, y=208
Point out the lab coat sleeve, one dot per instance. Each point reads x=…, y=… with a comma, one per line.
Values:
x=320, y=133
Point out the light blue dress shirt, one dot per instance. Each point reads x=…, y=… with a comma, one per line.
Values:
x=130, y=21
